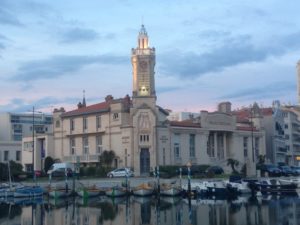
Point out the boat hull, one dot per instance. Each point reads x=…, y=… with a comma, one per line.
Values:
x=59, y=193
x=28, y=192
x=143, y=192
x=115, y=192
x=170, y=191
x=87, y=193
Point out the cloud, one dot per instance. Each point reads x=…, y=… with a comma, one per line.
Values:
x=60, y=65
x=166, y=89
x=7, y=17
x=79, y=35
x=272, y=90
x=234, y=51
x=22, y=105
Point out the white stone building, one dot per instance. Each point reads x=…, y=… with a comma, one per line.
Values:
x=138, y=131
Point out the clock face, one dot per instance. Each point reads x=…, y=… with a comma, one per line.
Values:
x=143, y=65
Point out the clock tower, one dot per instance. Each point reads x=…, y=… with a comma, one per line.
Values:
x=143, y=62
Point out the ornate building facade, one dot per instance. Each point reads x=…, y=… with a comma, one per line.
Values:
x=138, y=131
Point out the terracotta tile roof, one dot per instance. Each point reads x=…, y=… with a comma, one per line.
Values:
x=267, y=111
x=185, y=123
x=100, y=107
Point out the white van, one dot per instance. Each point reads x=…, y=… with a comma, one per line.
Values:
x=60, y=167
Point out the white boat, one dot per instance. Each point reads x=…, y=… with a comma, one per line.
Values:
x=116, y=192
x=143, y=190
x=199, y=187
x=241, y=187
x=292, y=180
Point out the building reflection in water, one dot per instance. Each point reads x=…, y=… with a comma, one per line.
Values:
x=151, y=211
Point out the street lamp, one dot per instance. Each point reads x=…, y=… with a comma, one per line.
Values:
x=33, y=111
x=251, y=117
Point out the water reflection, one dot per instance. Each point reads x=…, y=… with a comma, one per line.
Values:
x=150, y=210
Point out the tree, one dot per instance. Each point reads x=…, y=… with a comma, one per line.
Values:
x=107, y=157
x=48, y=163
x=233, y=163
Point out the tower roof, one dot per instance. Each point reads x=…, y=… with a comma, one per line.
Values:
x=143, y=30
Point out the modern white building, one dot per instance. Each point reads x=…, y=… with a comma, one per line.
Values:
x=292, y=133
x=142, y=137
x=15, y=126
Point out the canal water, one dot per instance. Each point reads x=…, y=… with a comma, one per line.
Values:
x=137, y=210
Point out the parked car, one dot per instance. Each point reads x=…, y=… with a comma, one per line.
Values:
x=121, y=172
x=271, y=170
x=214, y=170
x=286, y=171
x=296, y=170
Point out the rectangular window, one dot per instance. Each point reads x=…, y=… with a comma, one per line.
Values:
x=192, y=146
x=73, y=146
x=6, y=155
x=144, y=138
x=85, y=123
x=177, y=145
x=98, y=121
x=18, y=155
x=72, y=125
x=116, y=116
x=57, y=123
x=245, y=146
x=99, y=144
x=85, y=142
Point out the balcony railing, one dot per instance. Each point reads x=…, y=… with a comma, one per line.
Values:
x=81, y=158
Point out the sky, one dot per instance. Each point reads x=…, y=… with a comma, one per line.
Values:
x=207, y=52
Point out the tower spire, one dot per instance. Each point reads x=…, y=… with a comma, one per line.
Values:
x=143, y=38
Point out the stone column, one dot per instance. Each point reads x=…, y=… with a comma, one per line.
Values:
x=225, y=144
x=215, y=145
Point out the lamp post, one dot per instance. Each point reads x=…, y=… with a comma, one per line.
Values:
x=33, y=124
x=189, y=178
x=251, y=117
x=34, y=177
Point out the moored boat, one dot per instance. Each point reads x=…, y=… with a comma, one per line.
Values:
x=116, y=192
x=59, y=192
x=87, y=192
x=217, y=188
x=28, y=191
x=170, y=190
x=274, y=186
x=143, y=190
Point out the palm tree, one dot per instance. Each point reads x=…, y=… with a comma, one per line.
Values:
x=107, y=157
x=232, y=163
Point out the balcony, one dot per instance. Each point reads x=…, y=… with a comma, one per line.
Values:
x=81, y=158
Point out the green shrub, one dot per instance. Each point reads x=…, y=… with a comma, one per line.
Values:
x=91, y=171
x=102, y=171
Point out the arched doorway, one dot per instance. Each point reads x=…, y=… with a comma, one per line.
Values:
x=145, y=161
